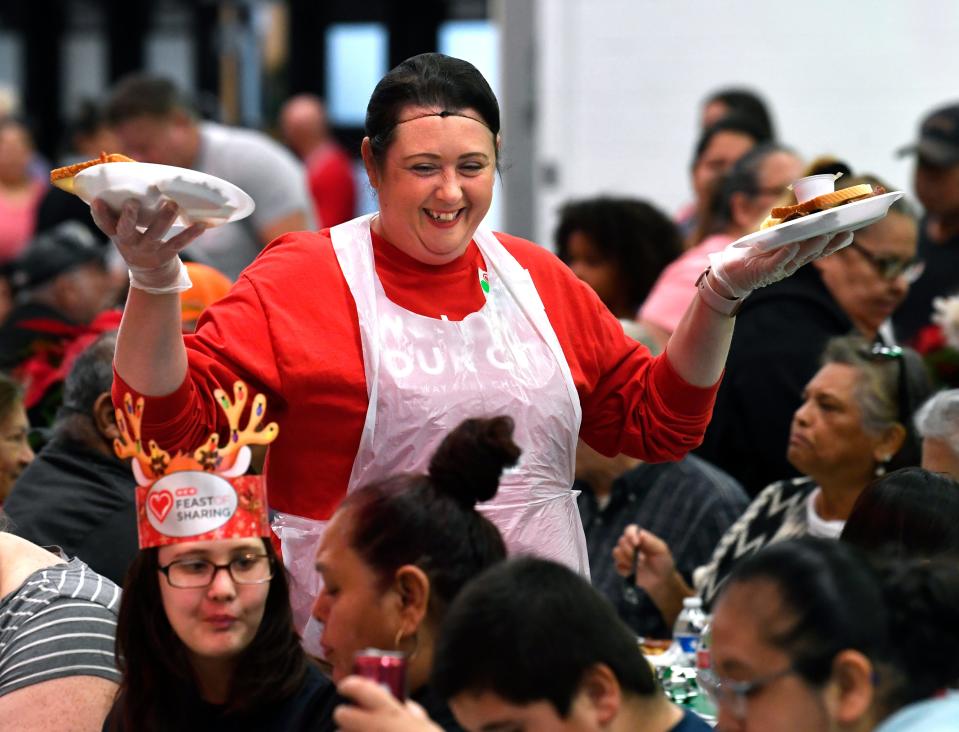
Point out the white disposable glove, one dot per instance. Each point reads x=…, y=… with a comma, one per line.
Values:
x=740, y=270
x=154, y=264
x=170, y=277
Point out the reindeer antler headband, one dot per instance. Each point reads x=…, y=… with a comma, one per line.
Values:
x=203, y=495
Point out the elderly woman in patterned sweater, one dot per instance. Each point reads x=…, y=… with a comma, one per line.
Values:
x=853, y=424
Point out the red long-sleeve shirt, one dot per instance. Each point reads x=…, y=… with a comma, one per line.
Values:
x=289, y=329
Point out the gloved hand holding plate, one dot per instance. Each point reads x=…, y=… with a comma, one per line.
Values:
x=200, y=197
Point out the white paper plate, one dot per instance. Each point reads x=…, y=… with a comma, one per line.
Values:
x=848, y=217
x=201, y=197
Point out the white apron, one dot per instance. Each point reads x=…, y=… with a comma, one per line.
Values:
x=425, y=375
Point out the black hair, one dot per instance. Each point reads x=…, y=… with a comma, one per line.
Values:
x=90, y=376
x=140, y=94
x=910, y=513
x=900, y=615
x=11, y=395
x=427, y=80
x=88, y=120
x=827, y=164
x=431, y=521
x=742, y=177
x=157, y=680
x=527, y=630
x=636, y=236
x=730, y=123
x=747, y=104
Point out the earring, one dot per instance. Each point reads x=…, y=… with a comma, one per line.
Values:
x=416, y=644
x=881, y=466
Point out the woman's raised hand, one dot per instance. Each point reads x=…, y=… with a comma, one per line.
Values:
x=740, y=270
x=154, y=263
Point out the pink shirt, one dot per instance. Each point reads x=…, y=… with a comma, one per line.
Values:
x=675, y=287
x=17, y=222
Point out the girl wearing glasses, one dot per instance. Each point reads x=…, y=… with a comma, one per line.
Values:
x=205, y=635
x=807, y=636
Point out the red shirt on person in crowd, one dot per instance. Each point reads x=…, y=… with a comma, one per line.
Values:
x=329, y=173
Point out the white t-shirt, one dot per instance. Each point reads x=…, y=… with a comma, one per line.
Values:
x=274, y=178
x=817, y=526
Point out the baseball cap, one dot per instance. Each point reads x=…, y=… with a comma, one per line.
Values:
x=938, y=137
x=54, y=252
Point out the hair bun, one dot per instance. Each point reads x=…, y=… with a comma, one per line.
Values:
x=469, y=462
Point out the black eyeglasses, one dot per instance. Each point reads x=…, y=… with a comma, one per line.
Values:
x=882, y=352
x=890, y=267
x=188, y=574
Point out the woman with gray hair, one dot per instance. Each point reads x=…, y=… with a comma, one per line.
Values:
x=853, y=425
x=937, y=423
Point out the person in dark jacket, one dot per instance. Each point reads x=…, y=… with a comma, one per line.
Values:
x=77, y=494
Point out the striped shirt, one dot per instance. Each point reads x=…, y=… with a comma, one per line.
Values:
x=60, y=622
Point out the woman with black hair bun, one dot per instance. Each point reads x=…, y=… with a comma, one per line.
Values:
x=807, y=635
x=398, y=551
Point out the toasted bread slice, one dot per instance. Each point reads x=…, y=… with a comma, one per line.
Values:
x=63, y=177
x=781, y=214
x=820, y=203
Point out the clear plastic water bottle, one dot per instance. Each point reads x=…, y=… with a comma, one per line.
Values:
x=703, y=704
x=687, y=631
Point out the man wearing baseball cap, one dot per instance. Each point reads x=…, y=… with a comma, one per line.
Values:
x=937, y=188
x=61, y=289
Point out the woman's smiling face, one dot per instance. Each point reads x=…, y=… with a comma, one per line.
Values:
x=434, y=183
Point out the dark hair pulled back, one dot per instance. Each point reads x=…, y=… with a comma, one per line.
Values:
x=468, y=464
x=899, y=614
x=908, y=513
x=430, y=521
x=427, y=80
x=743, y=177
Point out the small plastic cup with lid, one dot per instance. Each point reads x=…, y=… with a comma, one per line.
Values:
x=814, y=185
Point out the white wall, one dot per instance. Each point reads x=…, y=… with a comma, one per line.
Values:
x=619, y=84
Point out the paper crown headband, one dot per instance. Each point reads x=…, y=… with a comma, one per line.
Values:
x=203, y=496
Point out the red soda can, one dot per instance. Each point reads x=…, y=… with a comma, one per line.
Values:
x=387, y=668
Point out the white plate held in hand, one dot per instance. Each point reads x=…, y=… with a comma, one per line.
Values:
x=201, y=197
x=848, y=217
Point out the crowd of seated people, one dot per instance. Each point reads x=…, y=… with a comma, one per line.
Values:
x=824, y=428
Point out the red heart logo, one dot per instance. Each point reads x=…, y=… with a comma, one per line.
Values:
x=160, y=504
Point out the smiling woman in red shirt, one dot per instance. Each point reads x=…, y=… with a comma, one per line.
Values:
x=375, y=338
